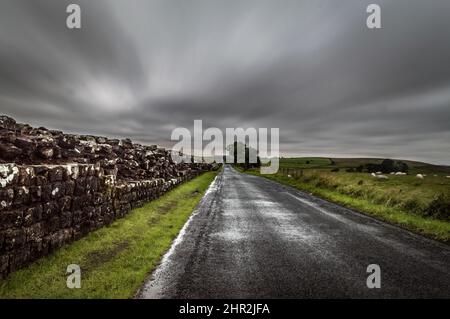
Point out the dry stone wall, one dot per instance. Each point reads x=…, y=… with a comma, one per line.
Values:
x=55, y=188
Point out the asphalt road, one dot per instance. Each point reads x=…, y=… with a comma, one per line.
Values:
x=254, y=238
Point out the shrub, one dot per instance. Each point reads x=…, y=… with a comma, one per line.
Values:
x=412, y=206
x=351, y=190
x=309, y=178
x=324, y=182
x=387, y=166
x=402, y=167
x=439, y=207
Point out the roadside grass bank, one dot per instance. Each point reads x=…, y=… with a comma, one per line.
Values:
x=116, y=259
x=417, y=205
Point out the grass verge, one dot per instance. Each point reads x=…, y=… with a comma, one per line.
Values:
x=114, y=260
x=429, y=227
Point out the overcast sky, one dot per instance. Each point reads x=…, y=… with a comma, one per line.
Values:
x=139, y=69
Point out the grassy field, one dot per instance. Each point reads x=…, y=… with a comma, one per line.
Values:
x=420, y=205
x=114, y=260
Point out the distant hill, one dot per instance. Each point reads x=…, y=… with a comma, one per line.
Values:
x=344, y=163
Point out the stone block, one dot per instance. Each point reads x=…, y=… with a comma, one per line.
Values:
x=11, y=219
x=55, y=174
x=14, y=239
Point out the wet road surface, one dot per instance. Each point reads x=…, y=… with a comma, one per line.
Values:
x=254, y=238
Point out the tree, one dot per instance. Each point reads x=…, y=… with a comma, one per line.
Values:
x=240, y=150
x=402, y=167
x=387, y=166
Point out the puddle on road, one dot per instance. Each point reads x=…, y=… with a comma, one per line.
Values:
x=264, y=217
x=231, y=235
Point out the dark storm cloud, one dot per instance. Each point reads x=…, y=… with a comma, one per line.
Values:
x=312, y=68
